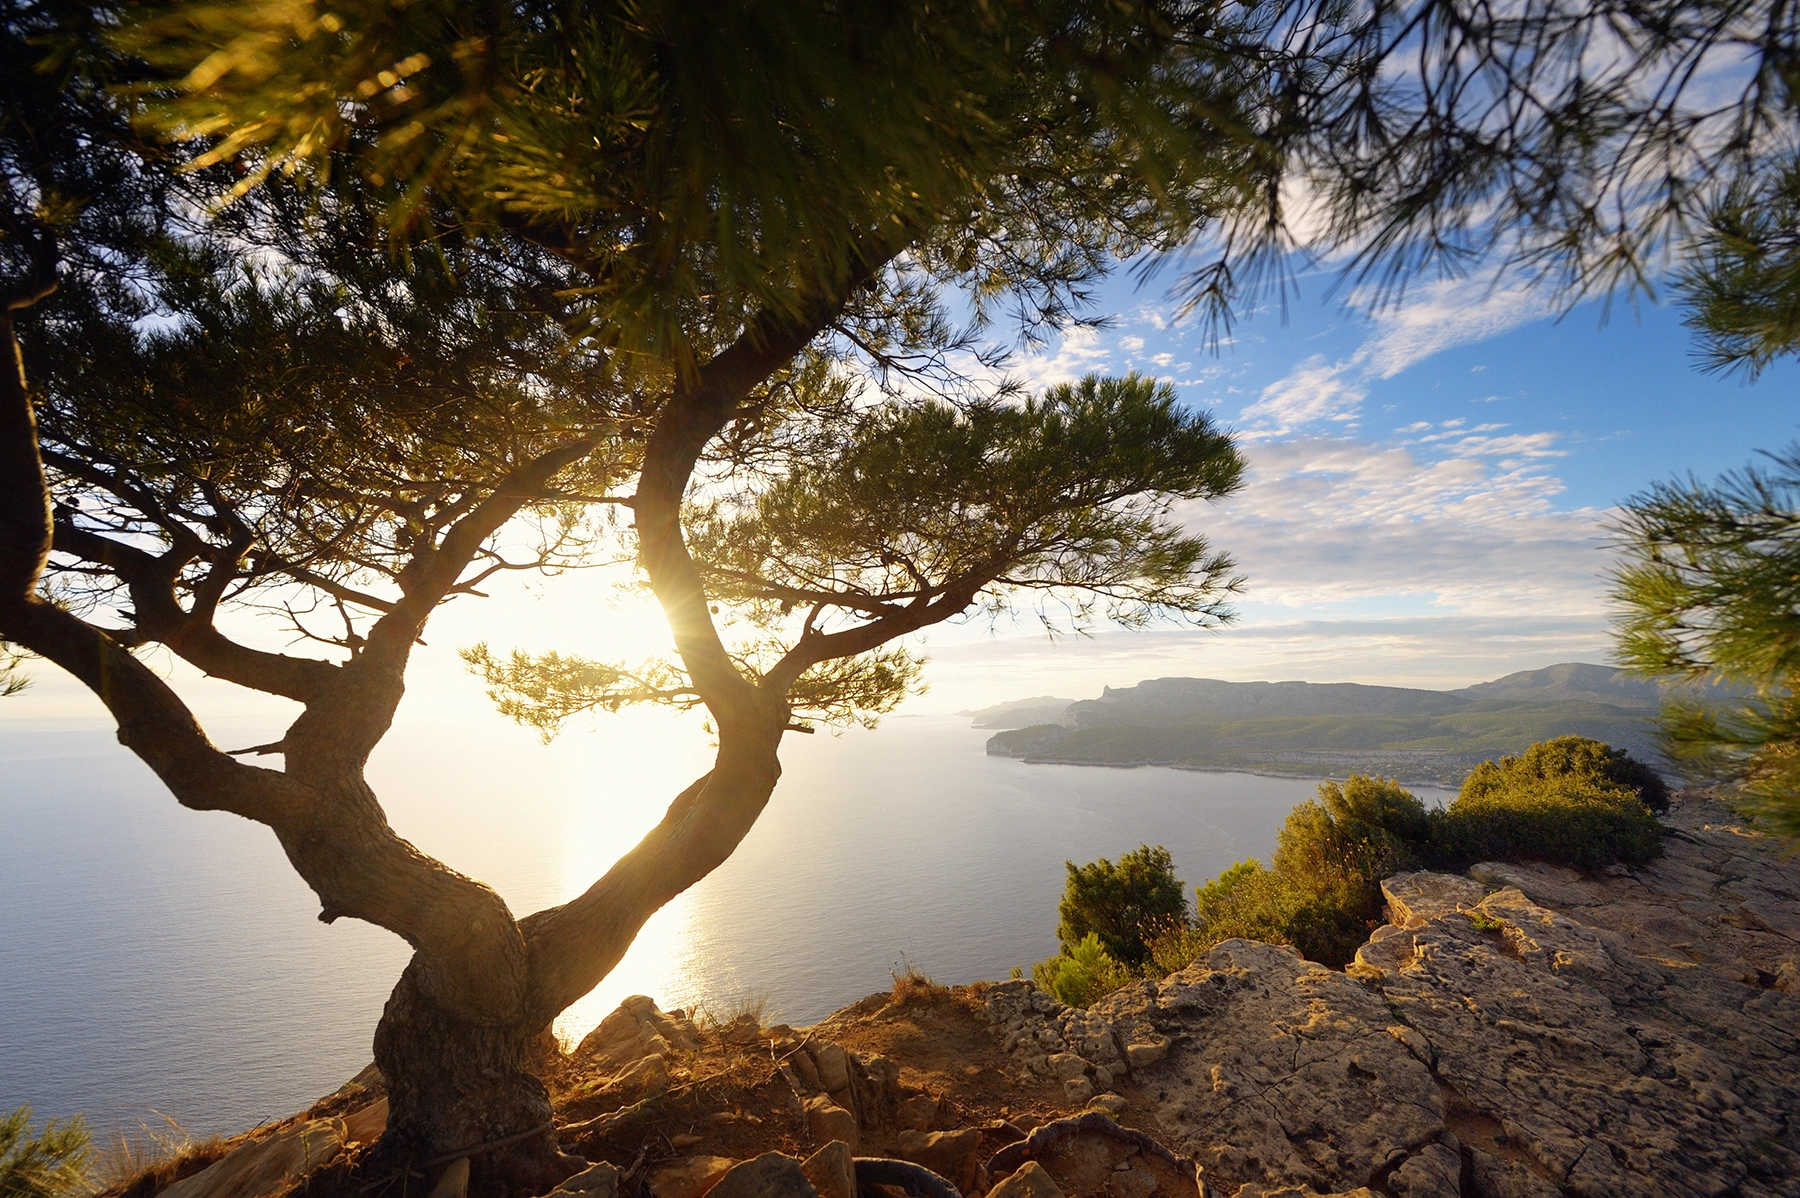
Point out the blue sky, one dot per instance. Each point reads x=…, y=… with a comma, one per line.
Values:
x=1430, y=489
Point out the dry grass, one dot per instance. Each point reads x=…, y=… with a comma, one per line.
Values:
x=749, y=1008
x=138, y=1165
x=912, y=986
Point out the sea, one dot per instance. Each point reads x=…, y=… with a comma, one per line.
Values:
x=159, y=965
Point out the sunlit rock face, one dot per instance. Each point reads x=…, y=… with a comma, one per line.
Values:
x=1525, y=1031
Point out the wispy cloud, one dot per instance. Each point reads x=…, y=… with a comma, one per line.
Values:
x=1313, y=391
x=1326, y=520
x=1434, y=318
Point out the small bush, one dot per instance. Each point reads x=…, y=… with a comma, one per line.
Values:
x=1570, y=757
x=1565, y=821
x=51, y=1164
x=1570, y=801
x=1125, y=905
x=1083, y=973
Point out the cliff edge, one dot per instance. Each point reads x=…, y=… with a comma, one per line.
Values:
x=1524, y=1031
x=1516, y=1032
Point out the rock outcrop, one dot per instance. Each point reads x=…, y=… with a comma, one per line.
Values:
x=1518, y=1032
x=1525, y=1031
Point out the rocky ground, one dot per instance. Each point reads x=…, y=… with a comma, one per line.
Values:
x=1520, y=1032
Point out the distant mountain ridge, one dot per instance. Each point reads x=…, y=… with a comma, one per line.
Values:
x=1333, y=728
x=1020, y=713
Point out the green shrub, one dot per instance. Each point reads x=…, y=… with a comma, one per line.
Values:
x=1083, y=973
x=1565, y=821
x=1126, y=905
x=1568, y=801
x=1570, y=757
x=50, y=1164
x=1571, y=801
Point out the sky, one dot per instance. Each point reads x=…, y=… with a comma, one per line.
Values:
x=1431, y=486
x=1428, y=501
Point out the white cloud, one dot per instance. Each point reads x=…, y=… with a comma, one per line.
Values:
x=1434, y=318
x=1326, y=521
x=1311, y=392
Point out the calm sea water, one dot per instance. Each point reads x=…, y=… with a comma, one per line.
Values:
x=154, y=959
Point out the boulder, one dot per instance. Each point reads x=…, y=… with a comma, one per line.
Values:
x=690, y=1177
x=643, y=1078
x=950, y=1154
x=1414, y=898
x=771, y=1175
x=804, y=1067
x=1147, y=1053
x=636, y=1029
x=453, y=1182
x=1066, y=1066
x=366, y=1125
x=832, y=1170
x=1029, y=1180
x=1078, y=1090
x=827, y=1121
x=919, y=1112
x=1622, y=1032
x=596, y=1181
x=834, y=1067
x=1112, y=1104
x=266, y=1167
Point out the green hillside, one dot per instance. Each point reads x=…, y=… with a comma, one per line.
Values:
x=1438, y=748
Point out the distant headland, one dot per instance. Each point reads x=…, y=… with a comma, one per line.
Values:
x=1314, y=729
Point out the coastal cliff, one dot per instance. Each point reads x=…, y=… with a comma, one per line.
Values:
x=1519, y=1031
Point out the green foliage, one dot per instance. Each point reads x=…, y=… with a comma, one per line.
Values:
x=1083, y=973
x=1126, y=905
x=12, y=676
x=1324, y=891
x=1743, y=287
x=1569, y=757
x=52, y=1164
x=733, y=159
x=1708, y=597
x=1570, y=800
x=1069, y=493
x=1567, y=821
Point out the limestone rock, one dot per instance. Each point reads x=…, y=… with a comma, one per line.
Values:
x=1147, y=1053
x=828, y=1121
x=366, y=1125
x=453, y=1182
x=691, y=1177
x=596, y=1181
x=803, y=1065
x=1624, y=1032
x=1495, y=1178
x=1066, y=1066
x=1029, y=1180
x=1112, y=1104
x=1434, y=1172
x=771, y=1175
x=834, y=1067
x=832, y=1170
x=1078, y=1090
x=636, y=1029
x=918, y=1112
x=950, y=1154
x=643, y=1078
x=266, y=1167
x=1416, y=897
